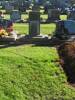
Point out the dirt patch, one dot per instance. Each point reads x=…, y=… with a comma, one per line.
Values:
x=66, y=53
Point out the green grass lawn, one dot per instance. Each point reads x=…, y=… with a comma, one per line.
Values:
x=44, y=28
x=28, y=73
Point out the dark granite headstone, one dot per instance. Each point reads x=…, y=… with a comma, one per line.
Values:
x=3, y=4
x=72, y=15
x=53, y=14
x=15, y=16
x=60, y=29
x=23, y=5
x=65, y=29
x=70, y=26
x=5, y=23
x=47, y=7
x=34, y=23
x=9, y=7
x=22, y=8
x=36, y=8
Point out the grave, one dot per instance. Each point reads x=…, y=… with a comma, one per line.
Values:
x=34, y=35
x=15, y=3
x=9, y=7
x=36, y=8
x=22, y=8
x=39, y=2
x=65, y=30
x=53, y=14
x=34, y=23
x=47, y=6
x=23, y=5
x=3, y=4
x=15, y=16
x=71, y=15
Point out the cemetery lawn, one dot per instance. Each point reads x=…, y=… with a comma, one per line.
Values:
x=27, y=72
x=45, y=28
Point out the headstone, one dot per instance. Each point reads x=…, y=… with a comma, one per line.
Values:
x=15, y=16
x=39, y=2
x=3, y=4
x=72, y=15
x=5, y=23
x=23, y=5
x=60, y=29
x=0, y=3
x=15, y=3
x=47, y=6
x=65, y=29
x=34, y=23
x=53, y=14
x=22, y=8
x=9, y=7
x=36, y=8
x=70, y=26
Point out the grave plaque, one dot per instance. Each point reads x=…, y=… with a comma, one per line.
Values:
x=34, y=23
x=15, y=16
x=53, y=14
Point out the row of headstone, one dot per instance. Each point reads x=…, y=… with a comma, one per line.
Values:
x=53, y=14
x=15, y=5
x=16, y=14
x=63, y=28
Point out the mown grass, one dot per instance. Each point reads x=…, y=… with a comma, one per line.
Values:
x=44, y=28
x=27, y=72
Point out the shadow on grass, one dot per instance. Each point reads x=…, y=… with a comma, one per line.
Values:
x=34, y=44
